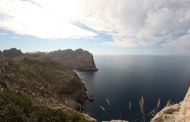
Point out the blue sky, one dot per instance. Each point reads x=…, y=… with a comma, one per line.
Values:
x=103, y=27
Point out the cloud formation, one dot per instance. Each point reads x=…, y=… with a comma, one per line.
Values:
x=13, y=37
x=3, y=33
x=27, y=18
x=130, y=23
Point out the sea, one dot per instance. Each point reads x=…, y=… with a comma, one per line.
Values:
x=123, y=80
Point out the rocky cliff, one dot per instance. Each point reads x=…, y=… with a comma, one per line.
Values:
x=175, y=113
x=78, y=59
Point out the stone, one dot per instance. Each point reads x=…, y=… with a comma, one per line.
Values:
x=91, y=97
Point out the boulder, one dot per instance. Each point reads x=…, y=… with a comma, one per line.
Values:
x=91, y=97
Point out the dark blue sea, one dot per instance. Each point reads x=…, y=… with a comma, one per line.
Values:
x=121, y=79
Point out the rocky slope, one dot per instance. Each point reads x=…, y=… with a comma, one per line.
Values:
x=42, y=80
x=78, y=59
x=175, y=113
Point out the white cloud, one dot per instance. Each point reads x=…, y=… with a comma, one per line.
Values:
x=3, y=33
x=149, y=22
x=130, y=23
x=27, y=18
x=122, y=43
x=14, y=37
x=179, y=46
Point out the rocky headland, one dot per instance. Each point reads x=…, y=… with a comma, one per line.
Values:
x=76, y=59
x=43, y=81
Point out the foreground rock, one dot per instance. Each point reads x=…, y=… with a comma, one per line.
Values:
x=175, y=113
x=78, y=59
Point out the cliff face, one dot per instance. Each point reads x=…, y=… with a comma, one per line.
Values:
x=175, y=113
x=78, y=59
x=43, y=80
x=12, y=53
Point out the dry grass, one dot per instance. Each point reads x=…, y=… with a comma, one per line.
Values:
x=102, y=108
x=151, y=114
x=141, y=102
x=158, y=105
x=108, y=101
x=105, y=111
x=168, y=103
x=129, y=104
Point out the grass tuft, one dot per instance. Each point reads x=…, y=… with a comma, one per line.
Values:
x=108, y=101
x=105, y=111
x=168, y=103
x=158, y=105
x=141, y=102
x=129, y=104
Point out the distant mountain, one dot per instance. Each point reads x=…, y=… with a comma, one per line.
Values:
x=12, y=53
x=31, y=80
x=75, y=59
x=78, y=59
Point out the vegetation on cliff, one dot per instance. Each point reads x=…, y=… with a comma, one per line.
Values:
x=17, y=107
x=33, y=87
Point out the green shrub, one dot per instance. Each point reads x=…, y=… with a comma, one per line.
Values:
x=44, y=114
x=18, y=108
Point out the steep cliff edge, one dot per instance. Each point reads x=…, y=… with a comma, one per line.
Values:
x=175, y=113
x=78, y=59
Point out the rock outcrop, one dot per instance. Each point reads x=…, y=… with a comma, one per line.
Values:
x=78, y=59
x=12, y=53
x=175, y=113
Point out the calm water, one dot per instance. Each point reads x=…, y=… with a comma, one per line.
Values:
x=121, y=79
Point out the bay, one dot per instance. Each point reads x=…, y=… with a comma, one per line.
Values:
x=121, y=79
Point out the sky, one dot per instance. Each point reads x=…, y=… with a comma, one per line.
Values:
x=103, y=27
